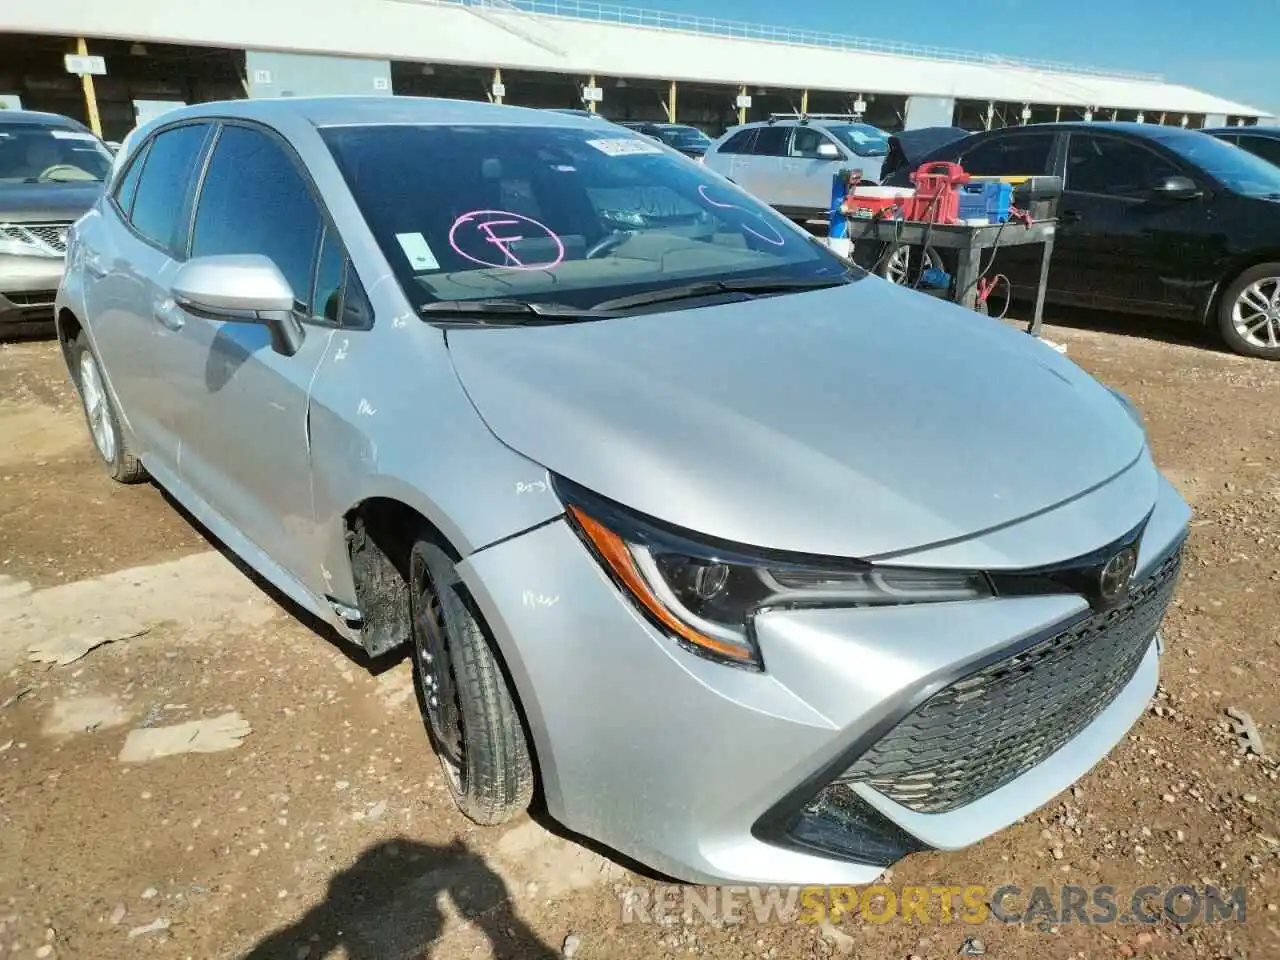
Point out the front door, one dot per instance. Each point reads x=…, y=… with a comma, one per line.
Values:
x=809, y=175
x=242, y=408
x=1120, y=246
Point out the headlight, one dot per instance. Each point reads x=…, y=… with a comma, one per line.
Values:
x=16, y=240
x=706, y=595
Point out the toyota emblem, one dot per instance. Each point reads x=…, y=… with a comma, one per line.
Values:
x=1113, y=582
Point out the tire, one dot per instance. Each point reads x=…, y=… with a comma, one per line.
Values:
x=467, y=704
x=100, y=415
x=1249, y=312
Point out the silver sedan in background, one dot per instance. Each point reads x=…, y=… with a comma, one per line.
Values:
x=760, y=569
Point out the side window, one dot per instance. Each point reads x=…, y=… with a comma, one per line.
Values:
x=326, y=300
x=740, y=142
x=1023, y=154
x=255, y=200
x=1265, y=147
x=159, y=203
x=806, y=141
x=1114, y=167
x=128, y=185
x=771, y=141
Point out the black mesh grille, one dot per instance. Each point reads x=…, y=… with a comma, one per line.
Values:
x=28, y=298
x=996, y=724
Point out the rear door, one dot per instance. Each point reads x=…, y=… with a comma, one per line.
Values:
x=809, y=176
x=1015, y=153
x=240, y=407
x=128, y=265
x=1119, y=245
x=761, y=171
x=723, y=157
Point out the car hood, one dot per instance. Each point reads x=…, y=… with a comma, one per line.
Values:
x=857, y=421
x=43, y=202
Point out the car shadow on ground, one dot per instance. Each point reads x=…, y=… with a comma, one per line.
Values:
x=388, y=905
x=1180, y=333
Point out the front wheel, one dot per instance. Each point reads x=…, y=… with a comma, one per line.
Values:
x=467, y=705
x=100, y=415
x=1249, y=312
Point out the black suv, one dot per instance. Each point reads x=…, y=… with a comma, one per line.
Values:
x=1153, y=219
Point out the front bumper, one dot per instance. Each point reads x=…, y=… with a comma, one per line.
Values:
x=28, y=286
x=705, y=772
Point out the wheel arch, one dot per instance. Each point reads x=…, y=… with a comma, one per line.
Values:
x=1208, y=314
x=386, y=526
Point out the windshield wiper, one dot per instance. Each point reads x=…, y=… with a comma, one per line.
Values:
x=709, y=288
x=515, y=312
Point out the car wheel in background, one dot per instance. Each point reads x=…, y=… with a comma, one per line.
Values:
x=1249, y=312
x=898, y=265
x=467, y=705
x=100, y=414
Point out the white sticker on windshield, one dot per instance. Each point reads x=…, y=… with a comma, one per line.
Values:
x=418, y=251
x=624, y=146
x=72, y=135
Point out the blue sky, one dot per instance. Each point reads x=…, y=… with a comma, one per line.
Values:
x=1227, y=47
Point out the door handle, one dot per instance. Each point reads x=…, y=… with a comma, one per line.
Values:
x=168, y=314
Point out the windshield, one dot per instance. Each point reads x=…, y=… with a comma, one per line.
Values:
x=862, y=139
x=557, y=214
x=40, y=153
x=1236, y=169
x=684, y=136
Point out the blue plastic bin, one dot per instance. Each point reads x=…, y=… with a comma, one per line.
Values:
x=985, y=199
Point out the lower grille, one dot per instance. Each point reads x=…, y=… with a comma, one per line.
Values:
x=31, y=298
x=997, y=723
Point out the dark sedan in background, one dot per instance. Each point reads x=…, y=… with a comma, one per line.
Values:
x=1153, y=219
x=690, y=141
x=51, y=172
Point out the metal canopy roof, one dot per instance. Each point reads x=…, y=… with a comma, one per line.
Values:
x=582, y=38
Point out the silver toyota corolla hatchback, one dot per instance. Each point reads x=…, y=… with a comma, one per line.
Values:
x=757, y=569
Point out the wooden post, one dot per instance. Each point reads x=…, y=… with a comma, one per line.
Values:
x=742, y=111
x=90, y=96
x=804, y=102
x=671, y=103
x=497, y=79
x=591, y=104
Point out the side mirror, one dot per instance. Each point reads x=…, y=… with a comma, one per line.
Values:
x=828, y=151
x=1176, y=188
x=240, y=288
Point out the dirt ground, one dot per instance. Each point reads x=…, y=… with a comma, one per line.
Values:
x=312, y=821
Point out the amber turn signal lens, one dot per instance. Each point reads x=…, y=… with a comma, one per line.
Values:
x=614, y=552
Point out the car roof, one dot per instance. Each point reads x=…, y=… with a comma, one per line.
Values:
x=37, y=116
x=1151, y=131
x=339, y=111
x=1272, y=133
